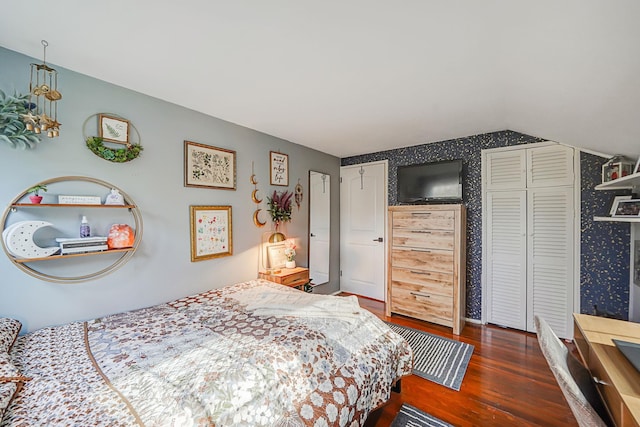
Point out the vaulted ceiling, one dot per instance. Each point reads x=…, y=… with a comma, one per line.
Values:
x=353, y=77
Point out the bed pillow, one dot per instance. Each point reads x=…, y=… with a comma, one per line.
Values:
x=9, y=329
x=7, y=393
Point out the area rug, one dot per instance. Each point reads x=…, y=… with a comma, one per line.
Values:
x=436, y=358
x=414, y=417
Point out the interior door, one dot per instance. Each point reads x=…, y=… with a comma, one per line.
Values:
x=363, y=207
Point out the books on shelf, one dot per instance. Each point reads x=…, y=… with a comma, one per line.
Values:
x=83, y=244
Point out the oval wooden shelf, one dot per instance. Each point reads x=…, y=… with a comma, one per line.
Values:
x=57, y=205
x=125, y=254
x=52, y=257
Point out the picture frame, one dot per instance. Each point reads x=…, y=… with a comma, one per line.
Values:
x=614, y=204
x=279, y=168
x=211, y=232
x=206, y=166
x=113, y=129
x=627, y=208
x=276, y=257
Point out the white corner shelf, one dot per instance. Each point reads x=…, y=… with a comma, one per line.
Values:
x=624, y=183
x=616, y=218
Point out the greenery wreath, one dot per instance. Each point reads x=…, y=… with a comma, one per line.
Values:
x=121, y=155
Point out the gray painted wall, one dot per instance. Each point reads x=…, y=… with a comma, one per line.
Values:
x=161, y=269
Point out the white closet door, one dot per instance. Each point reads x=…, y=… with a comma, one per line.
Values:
x=550, y=166
x=506, y=170
x=507, y=258
x=551, y=245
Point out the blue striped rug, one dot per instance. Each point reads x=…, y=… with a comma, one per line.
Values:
x=436, y=358
x=414, y=417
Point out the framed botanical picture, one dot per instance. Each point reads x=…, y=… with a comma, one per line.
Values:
x=614, y=204
x=629, y=207
x=279, y=168
x=209, y=167
x=211, y=232
x=114, y=129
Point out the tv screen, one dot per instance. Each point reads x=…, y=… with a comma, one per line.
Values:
x=430, y=182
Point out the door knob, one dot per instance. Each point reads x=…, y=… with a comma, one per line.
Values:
x=379, y=239
x=313, y=235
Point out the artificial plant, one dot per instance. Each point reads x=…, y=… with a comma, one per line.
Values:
x=12, y=127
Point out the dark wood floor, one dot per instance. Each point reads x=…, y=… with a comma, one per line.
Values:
x=508, y=382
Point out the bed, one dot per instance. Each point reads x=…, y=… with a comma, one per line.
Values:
x=251, y=354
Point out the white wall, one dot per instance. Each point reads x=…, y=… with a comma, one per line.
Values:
x=161, y=269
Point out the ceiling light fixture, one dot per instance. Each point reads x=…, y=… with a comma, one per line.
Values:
x=43, y=85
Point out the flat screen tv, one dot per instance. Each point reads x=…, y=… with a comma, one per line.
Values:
x=430, y=182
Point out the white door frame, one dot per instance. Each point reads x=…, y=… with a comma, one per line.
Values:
x=385, y=164
x=577, y=219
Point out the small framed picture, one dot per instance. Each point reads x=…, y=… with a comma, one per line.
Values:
x=276, y=256
x=614, y=204
x=629, y=207
x=279, y=168
x=209, y=167
x=211, y=232
x=114, y=129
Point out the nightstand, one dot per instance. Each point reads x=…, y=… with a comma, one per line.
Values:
x=292, y=277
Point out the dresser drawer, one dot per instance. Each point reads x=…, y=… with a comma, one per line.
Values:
x=434, y=220
x=293, y=277
x=412, y=300
x=423, y=259
x=430, y=239
x=429, y=281
x=607, y=390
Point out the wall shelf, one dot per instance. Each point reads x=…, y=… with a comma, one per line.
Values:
x=624, y=183
x=57, y=205
x=52, y=257
x=616, y=218
x=125, y=254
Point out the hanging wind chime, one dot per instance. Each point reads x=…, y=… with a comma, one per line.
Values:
x=43, y=86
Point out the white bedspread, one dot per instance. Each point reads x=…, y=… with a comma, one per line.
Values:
x=276, y=302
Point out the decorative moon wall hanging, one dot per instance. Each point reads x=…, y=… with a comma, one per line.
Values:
x=254, y=199
x=19, y=240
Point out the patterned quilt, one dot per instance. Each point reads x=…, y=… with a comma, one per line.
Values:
x=206, y=360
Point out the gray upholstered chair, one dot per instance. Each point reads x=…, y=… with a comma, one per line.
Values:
x=574, y=379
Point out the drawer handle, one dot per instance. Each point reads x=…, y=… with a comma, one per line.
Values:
x=425, y=273
x=420, y=213
x=421, y=250
x=418, y=294
x=599, y=381
x=421, y=231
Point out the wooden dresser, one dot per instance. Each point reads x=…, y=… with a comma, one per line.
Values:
x=426, y=272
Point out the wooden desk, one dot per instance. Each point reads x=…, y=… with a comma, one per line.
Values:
x=617, y=380
x=293, y=277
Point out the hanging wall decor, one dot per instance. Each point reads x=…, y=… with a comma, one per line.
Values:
x=43, y=89
x=298, y=194
x=211, y=232
x=279, y=168
x=114, y=132
x=206, y=166
x=256, y=200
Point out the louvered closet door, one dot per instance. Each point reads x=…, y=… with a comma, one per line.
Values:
x=506, y=170
x=550, y=258
x=550, y=166
x=507, y=258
